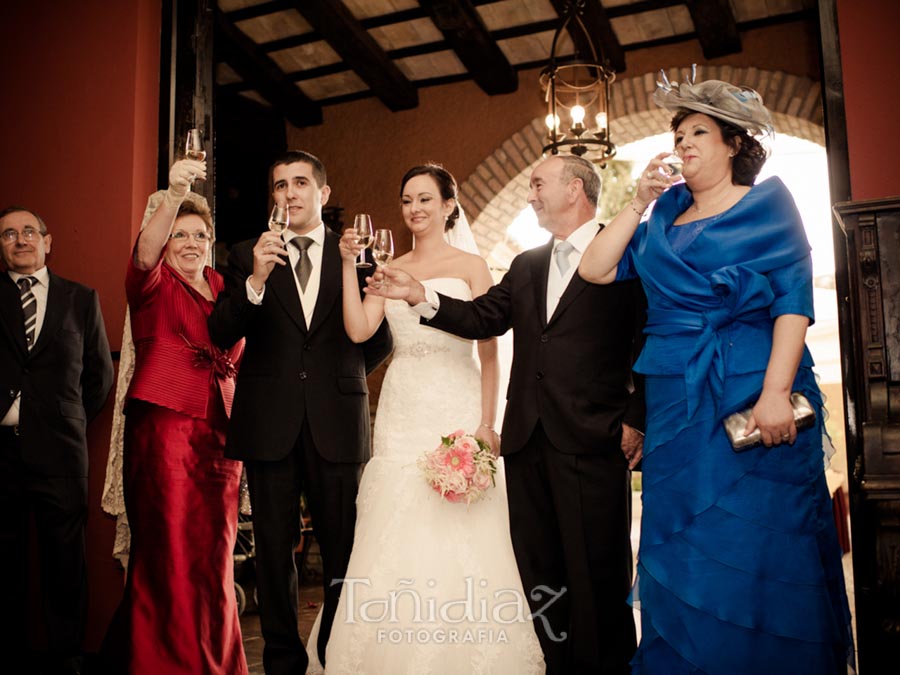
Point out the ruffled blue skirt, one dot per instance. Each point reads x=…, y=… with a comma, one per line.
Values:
x=739, y=568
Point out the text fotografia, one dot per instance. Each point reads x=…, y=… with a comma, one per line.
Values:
x=409, y=605
x=441, y=636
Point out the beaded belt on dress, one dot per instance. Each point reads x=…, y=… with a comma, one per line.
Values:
x=420, y=349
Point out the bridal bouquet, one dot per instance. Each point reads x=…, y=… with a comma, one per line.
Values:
x=461, y=468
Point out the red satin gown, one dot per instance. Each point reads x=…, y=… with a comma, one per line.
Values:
x=179, y=613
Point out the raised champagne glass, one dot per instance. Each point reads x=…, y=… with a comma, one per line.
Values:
x=280, y=219
x=675, y=164
x=383, y=249
x=362, y=226
x=193, y=147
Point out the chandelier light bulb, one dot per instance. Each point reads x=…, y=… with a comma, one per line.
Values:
x=552, y=122
x=577, y=115
x=602, y=120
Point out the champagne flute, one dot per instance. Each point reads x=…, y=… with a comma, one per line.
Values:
x=280, y=219
x=383, y=249
x=193, y=147
x=675, y=164
x=362, y=226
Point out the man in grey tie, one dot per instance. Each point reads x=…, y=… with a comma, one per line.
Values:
x=300, y=419
x=55, y=374
x=570, y=430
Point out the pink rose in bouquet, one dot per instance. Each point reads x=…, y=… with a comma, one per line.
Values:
x=460, y=469
x=482, y=480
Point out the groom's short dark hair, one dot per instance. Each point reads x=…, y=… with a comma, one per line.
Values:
x=293, y=156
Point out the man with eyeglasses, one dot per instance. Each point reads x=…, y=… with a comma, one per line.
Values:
x=55, y=375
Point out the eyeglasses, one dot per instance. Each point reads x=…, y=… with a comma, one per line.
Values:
x=28, y=234
x=181, y=235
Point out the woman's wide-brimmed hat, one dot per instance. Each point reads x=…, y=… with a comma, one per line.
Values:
x=740, y=106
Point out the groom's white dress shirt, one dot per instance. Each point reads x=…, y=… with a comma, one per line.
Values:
x=308, y=296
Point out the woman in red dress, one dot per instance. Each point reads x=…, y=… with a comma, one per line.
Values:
x=179, y=613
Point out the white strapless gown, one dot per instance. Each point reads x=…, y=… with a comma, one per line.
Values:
x=414, y=552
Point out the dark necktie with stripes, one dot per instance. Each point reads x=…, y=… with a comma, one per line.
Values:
x=29, y=308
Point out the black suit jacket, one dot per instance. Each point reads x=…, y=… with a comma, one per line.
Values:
x=291, y=373
x=64, y=379
x=572, y=372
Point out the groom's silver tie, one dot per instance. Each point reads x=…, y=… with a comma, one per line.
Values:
x=562, y=257
x=304, y=264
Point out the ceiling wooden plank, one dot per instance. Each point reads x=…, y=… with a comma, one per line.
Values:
x=597, y=24
x=334, y=22
x=239, y=52
x=465, y=32
x=716, y=27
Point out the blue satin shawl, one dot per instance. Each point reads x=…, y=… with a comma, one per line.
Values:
x=712, y=305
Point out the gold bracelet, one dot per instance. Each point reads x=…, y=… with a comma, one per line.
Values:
x=634, y=208
x=487, y=426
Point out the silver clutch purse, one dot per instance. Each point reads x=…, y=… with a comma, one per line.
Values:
x=804, y=417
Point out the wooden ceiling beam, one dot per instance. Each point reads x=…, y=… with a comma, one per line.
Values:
x=254, y=11
x=716, y=27
x=640, y=6
x=466, y=33
x=337, y=25
x=597, y=24
x=240, y=52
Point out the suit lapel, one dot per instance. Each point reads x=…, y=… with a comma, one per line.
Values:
x=573, y=290
x=329, y=281
x=58, y=296
x=281, y=283
x=11, y=318
x=540, y=272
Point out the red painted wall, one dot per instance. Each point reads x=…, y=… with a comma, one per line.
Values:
x=870, y=59
x=80, y=83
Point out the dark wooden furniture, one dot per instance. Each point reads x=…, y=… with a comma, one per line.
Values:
x=871, y=365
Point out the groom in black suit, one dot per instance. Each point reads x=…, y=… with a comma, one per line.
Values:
x=300, y=419
x=570, y=432
x=55, y=374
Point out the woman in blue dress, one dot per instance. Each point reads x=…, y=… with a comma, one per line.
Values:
x=739, y=568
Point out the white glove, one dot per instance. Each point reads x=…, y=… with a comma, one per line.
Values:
x=181, y=177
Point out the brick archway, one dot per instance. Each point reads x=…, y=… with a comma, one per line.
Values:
x=495, y=193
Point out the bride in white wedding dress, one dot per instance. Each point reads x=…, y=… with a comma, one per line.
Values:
x=432, y=586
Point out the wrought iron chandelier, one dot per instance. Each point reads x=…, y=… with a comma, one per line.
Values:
x=580, y=87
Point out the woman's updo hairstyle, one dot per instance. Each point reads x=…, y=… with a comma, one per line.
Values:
x=446, y=185
x=749, y=154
